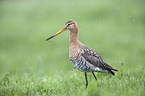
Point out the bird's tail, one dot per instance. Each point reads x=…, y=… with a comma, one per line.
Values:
x=111, y=71
x=114, y=69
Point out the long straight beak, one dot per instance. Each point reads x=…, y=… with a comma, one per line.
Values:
x=56, y=34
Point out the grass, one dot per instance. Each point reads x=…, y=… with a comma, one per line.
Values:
x=31, y=66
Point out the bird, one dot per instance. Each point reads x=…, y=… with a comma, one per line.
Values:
x=82, y=57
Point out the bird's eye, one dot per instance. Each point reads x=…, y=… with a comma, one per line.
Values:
x=68, y=24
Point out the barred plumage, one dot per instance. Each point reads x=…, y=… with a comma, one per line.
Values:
x=83, y=58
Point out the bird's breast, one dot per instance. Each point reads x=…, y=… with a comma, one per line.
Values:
x=74, y=53
x=78, y=61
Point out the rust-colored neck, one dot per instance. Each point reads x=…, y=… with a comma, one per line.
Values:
x=73, y=39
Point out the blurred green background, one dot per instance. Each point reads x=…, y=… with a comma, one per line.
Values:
x=113, y=28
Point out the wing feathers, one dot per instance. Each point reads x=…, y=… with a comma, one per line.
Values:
x=93, y=58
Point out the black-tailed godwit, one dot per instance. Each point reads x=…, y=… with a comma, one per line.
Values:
x=83, y=58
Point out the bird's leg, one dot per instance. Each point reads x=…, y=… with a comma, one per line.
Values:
x=94, y=75
x=86, y=79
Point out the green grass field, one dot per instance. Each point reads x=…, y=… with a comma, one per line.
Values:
x=31, y=66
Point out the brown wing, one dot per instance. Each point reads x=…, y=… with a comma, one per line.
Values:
x=93, y=57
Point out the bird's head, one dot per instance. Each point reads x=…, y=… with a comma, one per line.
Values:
x=70, y=25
